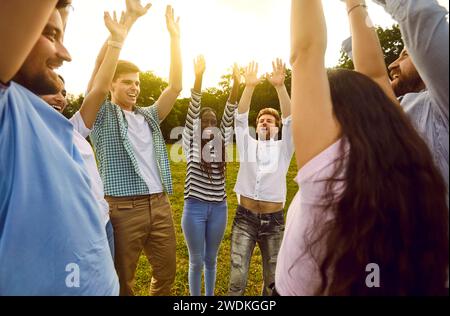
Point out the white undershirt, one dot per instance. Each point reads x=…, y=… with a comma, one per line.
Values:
x=80, y=132
x=140, y=137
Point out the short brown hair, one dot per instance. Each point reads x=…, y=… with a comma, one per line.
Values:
x=63, y=3
x=125, y=67
x=270, y=111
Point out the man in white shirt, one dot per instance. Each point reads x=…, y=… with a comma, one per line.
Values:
x=261, y=182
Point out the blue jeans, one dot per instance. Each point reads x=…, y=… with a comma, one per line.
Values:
x=203, y=226
x=110, y=235
x=248, y=229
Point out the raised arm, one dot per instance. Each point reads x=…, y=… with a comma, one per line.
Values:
x=167, y=99
x=135, y=10
x=367, y=52
x=102, y=81
x=226, y=123
x=199, y=70
x=251, y=81
x=277, y=78
x=425, y=31
x=21, y=22
x=194, y=105
x=314, y=127
x=236, y=85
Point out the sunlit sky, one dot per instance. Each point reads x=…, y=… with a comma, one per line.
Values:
x=224, y=31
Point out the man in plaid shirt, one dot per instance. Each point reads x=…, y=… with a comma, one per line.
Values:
x=134, y=167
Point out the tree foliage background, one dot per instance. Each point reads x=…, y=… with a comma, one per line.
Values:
x=391, y=43
x=264, y=96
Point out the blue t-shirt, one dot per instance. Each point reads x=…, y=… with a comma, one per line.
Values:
x=52, y=239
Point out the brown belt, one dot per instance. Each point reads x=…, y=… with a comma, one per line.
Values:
x=261, y=207
x=132, y=198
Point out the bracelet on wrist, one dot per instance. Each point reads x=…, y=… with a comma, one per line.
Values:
x=363, y=5
x=115, y=44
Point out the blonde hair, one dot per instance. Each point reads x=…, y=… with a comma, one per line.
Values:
x=125, y=67
x=270, y=111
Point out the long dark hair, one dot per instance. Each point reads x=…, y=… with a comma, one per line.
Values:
x=393, y=208
x=206, y=166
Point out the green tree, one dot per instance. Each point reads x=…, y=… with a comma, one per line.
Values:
x=73, y=104
x=391, y=43
x=151, y=88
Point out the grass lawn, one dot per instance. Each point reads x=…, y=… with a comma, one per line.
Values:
x=181, y=286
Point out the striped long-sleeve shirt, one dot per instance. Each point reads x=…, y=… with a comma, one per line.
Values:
x=198, y=184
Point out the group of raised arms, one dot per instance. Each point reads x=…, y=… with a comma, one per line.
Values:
x=371, y=146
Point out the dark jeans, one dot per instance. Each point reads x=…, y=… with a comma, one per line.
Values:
x=248, y=229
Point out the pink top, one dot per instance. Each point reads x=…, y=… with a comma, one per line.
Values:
x=297, y=273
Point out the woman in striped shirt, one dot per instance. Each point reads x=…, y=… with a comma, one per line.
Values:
x=205, y=209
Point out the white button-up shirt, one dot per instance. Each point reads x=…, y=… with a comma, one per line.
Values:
x=263, y=164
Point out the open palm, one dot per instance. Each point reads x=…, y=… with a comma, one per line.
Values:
x=251, y=75
x=117, y=28
x=199, y=66
x=172, y=25
x=277, y=77
x=136, y=9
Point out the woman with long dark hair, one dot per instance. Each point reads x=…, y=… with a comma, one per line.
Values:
x=371, y=216
x=205, y=209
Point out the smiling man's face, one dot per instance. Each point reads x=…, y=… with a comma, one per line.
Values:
x=404, y=75
x=37, y=73
x=125, y=90
x=266, y=127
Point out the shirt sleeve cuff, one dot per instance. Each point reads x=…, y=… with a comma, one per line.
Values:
x=287, y=120
x=241, y=117
x=232, y=105
x=196, y=96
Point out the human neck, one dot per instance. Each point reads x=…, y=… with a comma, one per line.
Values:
x=123, y=106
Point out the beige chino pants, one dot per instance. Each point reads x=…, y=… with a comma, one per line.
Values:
x=144, y=223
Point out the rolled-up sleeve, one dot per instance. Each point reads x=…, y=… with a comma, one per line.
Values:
x=241, y=130
x=288, y=142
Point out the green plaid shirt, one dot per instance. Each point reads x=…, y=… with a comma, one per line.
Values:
x=118, y=166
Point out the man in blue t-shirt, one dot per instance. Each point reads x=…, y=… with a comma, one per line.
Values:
x=52, y=239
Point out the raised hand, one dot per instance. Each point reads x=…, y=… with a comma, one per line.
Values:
x=236, y=84
x=117, y=28
x=199, y=66
x=135, y=9
x=172, y=25
x=236, y=74
x=277, y=77
x=251, y=75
